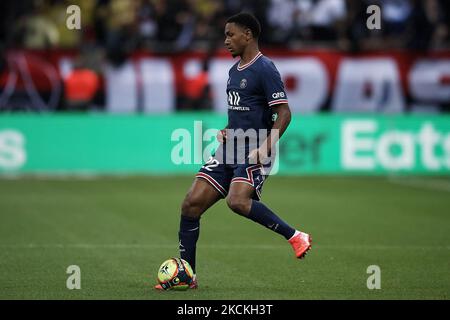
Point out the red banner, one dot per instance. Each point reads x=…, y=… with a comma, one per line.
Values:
x=315, y=80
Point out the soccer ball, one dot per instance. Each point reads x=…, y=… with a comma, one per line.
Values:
x=175, y=273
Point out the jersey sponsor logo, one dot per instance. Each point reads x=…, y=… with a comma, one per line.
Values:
x=243, y=83
x=238, y=108
x=233, y=98
x=233, y=101
x=278, y=95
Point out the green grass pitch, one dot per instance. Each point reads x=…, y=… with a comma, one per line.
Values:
x=119, y=230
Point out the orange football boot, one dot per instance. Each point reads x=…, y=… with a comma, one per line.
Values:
x=301, y=243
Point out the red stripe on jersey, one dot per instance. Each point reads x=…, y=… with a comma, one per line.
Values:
x=274, y=102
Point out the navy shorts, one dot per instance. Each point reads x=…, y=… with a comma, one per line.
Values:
x=221, y=176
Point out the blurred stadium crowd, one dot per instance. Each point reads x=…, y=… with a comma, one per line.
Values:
x=168, y=25
x=113, y=29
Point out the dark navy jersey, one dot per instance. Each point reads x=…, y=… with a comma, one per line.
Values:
x=252, y=90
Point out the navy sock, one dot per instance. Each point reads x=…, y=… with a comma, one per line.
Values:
x=264, y=216
x=188, y=236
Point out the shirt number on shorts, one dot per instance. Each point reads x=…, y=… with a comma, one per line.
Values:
x=211, y=164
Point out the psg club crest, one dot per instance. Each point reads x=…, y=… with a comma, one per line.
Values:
x=243, y=84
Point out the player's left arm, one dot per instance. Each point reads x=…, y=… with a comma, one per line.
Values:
x=276, y=98
x=280, y=125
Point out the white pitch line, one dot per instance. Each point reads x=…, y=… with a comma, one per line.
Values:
x=53, y=176
x=213, y=246
x=77, y=175
x=433, y=184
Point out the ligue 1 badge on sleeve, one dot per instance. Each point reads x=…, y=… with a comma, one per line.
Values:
x=243, y=83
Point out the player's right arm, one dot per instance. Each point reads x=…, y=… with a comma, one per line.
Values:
x=222, y=135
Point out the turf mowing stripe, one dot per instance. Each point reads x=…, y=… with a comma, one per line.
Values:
x=213, y=246
x=433, y=184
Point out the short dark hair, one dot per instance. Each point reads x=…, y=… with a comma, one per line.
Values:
x=247, y=20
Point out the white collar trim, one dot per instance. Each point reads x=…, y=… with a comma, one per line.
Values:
x=240, y=68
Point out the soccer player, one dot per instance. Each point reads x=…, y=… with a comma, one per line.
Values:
x=256, y=101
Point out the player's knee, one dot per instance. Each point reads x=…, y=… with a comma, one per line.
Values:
x=238, y=204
